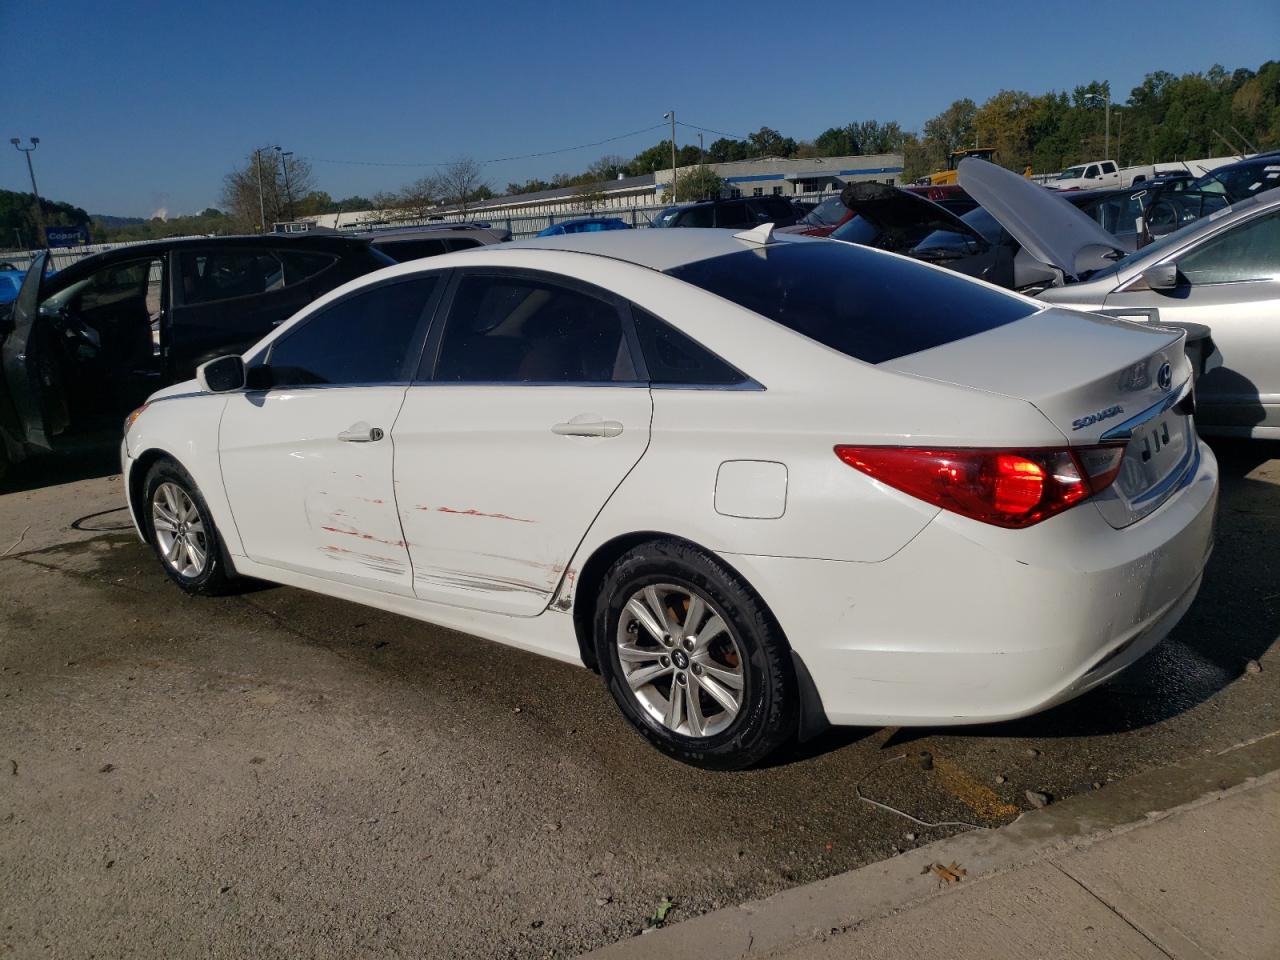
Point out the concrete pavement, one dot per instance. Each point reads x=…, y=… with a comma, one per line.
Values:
x=1191, y=882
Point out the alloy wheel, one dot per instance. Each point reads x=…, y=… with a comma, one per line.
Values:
x=681, y=660
x=180, y=532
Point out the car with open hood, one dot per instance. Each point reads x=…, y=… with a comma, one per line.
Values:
x=975, y=243
x=834, y=212
x=81, y=347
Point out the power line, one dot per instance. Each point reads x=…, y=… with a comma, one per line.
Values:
x=719, y=133
x=445, y=163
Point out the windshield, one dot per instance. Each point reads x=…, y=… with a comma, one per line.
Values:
x=665, y=217
x=1071, y=173
x=1240, y=182
x=828, y=213
x=977, y=218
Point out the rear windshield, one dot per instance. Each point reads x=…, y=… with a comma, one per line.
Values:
x=867, y=305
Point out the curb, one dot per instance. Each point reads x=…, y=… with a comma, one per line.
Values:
x=810, y=912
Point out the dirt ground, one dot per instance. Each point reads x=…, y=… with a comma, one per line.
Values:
x=279, y=774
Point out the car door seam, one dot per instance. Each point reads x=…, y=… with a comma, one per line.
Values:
x=567, y=575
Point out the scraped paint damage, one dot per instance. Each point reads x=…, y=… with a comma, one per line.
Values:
x=472, y=512
x=457, y=580
x=364, y=536
x=373, y=561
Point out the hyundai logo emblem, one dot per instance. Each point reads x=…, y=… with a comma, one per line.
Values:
x=1165, y=376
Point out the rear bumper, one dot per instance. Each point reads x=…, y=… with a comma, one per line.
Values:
x=971, y=624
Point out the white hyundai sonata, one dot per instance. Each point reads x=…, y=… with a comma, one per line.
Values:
x=760, y=485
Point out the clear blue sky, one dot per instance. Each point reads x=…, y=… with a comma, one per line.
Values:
x=146, y=105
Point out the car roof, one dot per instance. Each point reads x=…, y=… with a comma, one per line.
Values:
x=326, y=242
x=426, y=229
x=655, y=249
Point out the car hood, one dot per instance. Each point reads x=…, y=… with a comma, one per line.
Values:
x=894, y=210
x=1048, y=226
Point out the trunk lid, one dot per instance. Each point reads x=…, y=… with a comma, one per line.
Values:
x=1097, y=380
x=1048, y=226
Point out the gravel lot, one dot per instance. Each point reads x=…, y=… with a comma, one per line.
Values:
x=279, y=774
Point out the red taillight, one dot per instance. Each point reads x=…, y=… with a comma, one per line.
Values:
x=1008, y=488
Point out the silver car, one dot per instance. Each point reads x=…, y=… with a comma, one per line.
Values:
x=1220, y=272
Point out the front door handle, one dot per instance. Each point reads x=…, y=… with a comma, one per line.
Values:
x=588, y=428
x=361, y=433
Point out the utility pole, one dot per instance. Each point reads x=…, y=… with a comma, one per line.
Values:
x=702, y=154
x=284, y=165
x=672, y=117
x=262, y=208
x=35, y=191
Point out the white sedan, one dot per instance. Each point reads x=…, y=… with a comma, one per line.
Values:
x=759, y=484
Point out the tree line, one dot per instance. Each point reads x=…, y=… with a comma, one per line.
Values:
x=1166, y=117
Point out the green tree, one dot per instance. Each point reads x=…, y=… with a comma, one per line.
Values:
x=696, y=183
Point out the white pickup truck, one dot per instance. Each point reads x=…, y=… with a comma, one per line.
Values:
x=1088, y=176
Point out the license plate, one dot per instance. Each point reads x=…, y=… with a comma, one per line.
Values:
x=1155, y=440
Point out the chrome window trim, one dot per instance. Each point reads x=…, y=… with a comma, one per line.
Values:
x=747, y=385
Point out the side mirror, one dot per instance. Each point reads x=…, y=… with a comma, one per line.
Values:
x=1163, y=276
x=221, y=375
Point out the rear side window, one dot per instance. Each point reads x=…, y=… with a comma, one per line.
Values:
x=673, y=358
x=366, y=338
x=462, y=243
x=523, y=329
x=867, y=305
x=299, y=266
x=209, y=275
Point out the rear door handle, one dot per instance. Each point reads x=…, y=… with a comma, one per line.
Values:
x=361, y=433
x=588, y=428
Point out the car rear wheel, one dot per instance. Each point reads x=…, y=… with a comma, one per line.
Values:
x=693, y=658
x=181, y=530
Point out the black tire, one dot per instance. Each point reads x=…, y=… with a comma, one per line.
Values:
x=213, y=578
x=769, y=703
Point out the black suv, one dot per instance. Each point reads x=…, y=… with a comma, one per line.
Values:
x=92, y=341
x=740, y=213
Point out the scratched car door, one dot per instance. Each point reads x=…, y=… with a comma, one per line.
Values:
x=307, y=460
x=530, y=415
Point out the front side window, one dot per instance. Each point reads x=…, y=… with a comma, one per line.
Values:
x=868, y=306
x=300, y=266
x=1091, y=173
x=732, y=214
x=701, y=216
x=524, y=329
x=366, y=338
x=1248, y=251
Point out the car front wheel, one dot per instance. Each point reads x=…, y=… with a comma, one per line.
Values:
x=693, y=658
x=181, y=530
